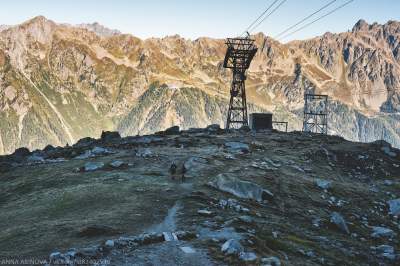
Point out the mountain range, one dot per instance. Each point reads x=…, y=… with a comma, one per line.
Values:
x=60, y=83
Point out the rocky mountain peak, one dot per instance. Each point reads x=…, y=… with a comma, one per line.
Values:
x=38, y=21
x=361, y=25
x=4, y=27
x=99, y=29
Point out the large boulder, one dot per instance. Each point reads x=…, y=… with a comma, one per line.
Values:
x=235, y=146
x=110, y=136
x=323, y=184
x=394, y=207
x=338, y=221
x=214, y=128
x=385, y=251
x=271, y=261
x=48, y=149
x=93, y=166
x=240, y=188
x=232, y=247
x=388, y=151
x=172, y=130
x=248, y=256
x=22, y=152
x=381, y=232
x=84, y=142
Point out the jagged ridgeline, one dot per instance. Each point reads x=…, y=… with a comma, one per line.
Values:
x=59, y=83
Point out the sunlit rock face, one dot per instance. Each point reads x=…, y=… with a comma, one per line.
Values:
x=59, y=83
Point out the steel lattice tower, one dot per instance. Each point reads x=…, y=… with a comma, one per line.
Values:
x=315, y=113
x=238, y=57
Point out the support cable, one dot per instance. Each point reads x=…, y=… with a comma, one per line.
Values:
x=317, y=19
x=304, y=19
x=267, y=16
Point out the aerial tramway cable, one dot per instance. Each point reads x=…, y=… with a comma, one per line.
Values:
x=267, y=16
x=304, y=19
x=259, y=17
x=317, y=19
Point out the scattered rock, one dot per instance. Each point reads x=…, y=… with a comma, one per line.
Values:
x=144, y=153
x=385, y=251
x=237, y=147
x=93, y=166
x=214, y=128
x=90, y=252
x=109, y=243
x=388, y=182
x=381, y=232
x=271, y=261
x=117, y=164
x=100, y=151
x=316, y=222
x=35, y=158
x=150, y=238
x=126, y=241
x=339, y=222
x=232, y=247
x=185, y=235
x=323, y=184
x=263, y=166
x=96, y=151
x=56, y=257
x=241, y=189
x=168, y=236
x=205, y=212
x=388, y=151
x=394, y=207
x=244, y=129
x=110, y=136
x=188, y=250
x=310, y=254
x=248, y=256
x=232, y=204
x=246, y=219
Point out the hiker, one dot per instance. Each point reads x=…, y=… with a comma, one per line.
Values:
x=172, y=170
x=183, y=172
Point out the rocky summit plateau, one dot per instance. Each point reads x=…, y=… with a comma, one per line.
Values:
x=204, y=196
x=60, y=83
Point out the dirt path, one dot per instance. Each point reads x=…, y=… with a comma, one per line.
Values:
x=173, y=252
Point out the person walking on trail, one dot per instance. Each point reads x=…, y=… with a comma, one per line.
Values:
x=184, y=170
x=172, y=170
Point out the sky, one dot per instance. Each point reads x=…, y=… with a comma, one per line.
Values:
x=199, y=18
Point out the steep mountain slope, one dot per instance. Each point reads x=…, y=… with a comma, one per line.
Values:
x=59, y=83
